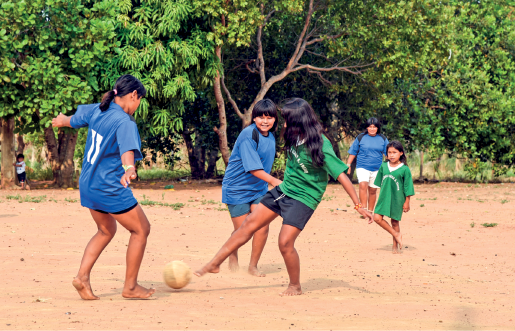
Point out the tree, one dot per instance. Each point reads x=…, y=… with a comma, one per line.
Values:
x=377, y=41
x=51, y=53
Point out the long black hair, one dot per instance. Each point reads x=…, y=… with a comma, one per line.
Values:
x=373, y=121
x=398, y=146
x=268, y=108
x=302, y=126
x=124, y=85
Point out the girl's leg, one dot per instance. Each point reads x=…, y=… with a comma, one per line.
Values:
x=287, y=238
x=382, y=223
x=106, y=230
x=137, y=223
x=372, y=197
x=363, y=188
x=396, y=226
x=258, y=245
x=233, y=258
x=256, y=220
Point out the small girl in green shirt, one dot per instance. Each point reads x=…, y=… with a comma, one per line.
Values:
x=394, y=178
x=311, y=160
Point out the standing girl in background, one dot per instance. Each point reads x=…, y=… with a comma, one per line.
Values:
x=368, y=149
x=112, y=147
x=247, y=176
x=394, y=178
x=311, y=160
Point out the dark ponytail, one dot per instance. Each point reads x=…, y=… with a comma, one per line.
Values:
x=302, y=125
x=398, y=146
x=124, y=85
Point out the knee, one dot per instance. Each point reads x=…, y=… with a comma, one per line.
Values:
x=108, y=231
x=377, y=218
x=285, y=246
x=372, y=191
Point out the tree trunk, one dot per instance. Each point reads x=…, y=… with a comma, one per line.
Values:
x=220, y=103
x=67, y=164
x=200, y=155
x=192, y=158
x=8, y=157
x=421, y=166
x=21, y=144
x=212, y=156
x=53, y=153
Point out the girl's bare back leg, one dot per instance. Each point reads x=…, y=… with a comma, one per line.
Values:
x=256, y=220
x=233, y=258
x=137, y=223
x=395, y=234
x=258, y=245
x=287, y=238
x=106, y=230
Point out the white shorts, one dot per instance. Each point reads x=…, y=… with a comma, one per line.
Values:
x=366, y=176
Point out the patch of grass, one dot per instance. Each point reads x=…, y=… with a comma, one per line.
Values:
x=422, y=205
x=473, y=224
x=327, y=198
x=348, y=205
x=222, y=209
x=489, y=225
x=27, y=198
x=332, y=210
x=503, y=201
x=70, y=200
x=208, y=202
x=147, y=202
x=157, y=173
x=52, y=199
x=191, y=200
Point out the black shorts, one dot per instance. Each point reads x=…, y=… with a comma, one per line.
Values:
x=22, y=177
x=293, y=212
x=118, y=212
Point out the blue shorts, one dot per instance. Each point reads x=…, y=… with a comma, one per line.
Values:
x=242, y=208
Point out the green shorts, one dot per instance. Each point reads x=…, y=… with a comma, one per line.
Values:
x=242, y=208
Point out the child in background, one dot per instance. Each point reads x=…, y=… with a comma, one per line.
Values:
x=394, y=178
x=310, y=161
x=247, y=176
x=20, y=170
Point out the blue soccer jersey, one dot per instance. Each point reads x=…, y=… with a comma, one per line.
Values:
x=111, y=133
x=239, y=185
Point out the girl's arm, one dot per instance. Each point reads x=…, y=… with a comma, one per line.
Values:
x=261, y=174
x=349, y=188
x=61, y=121
x=130, y=173
x=406, y=207
x=349, y=162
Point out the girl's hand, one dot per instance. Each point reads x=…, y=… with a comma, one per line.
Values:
x=276, y=182
x=126, y=178
x=366, y=214
x=60, y=121
x=349, y=171
x=405, y=207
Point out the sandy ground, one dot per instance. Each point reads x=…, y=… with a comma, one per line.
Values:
x=450, y=275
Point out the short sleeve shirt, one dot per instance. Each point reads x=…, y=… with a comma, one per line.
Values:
x=110, y=134
x=20, y=167
x=395, y=185
x=239, y=185
x=306, y=183
x=369, y=151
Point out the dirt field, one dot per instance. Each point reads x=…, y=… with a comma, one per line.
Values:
x=450, y=276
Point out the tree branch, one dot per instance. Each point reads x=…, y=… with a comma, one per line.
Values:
x=347, y=68
x=260, y=57
x=231, y=100
x=301, y=41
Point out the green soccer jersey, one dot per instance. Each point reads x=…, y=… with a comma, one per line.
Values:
x=304, y=182
x=395, y=187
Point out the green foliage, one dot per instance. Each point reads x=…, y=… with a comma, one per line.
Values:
x=51, y=55
x=27, y=198
x=489, y=225
x=166, y=49
x=147, y=202
x=71, y=200
x=165, y=174
x=473, y=224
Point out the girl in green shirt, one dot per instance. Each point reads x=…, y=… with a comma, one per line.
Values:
x=311, y=160
x=394, y=178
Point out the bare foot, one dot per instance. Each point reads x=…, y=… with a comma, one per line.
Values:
x=207, y=269
x=398, y=237
x=233, y=263
x=84, y=288
x=254, y=271
x=291, y=291
x=139, y=292
x=394, y=249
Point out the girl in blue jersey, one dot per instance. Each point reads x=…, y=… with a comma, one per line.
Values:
x=112, y=147
x=247, y=176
